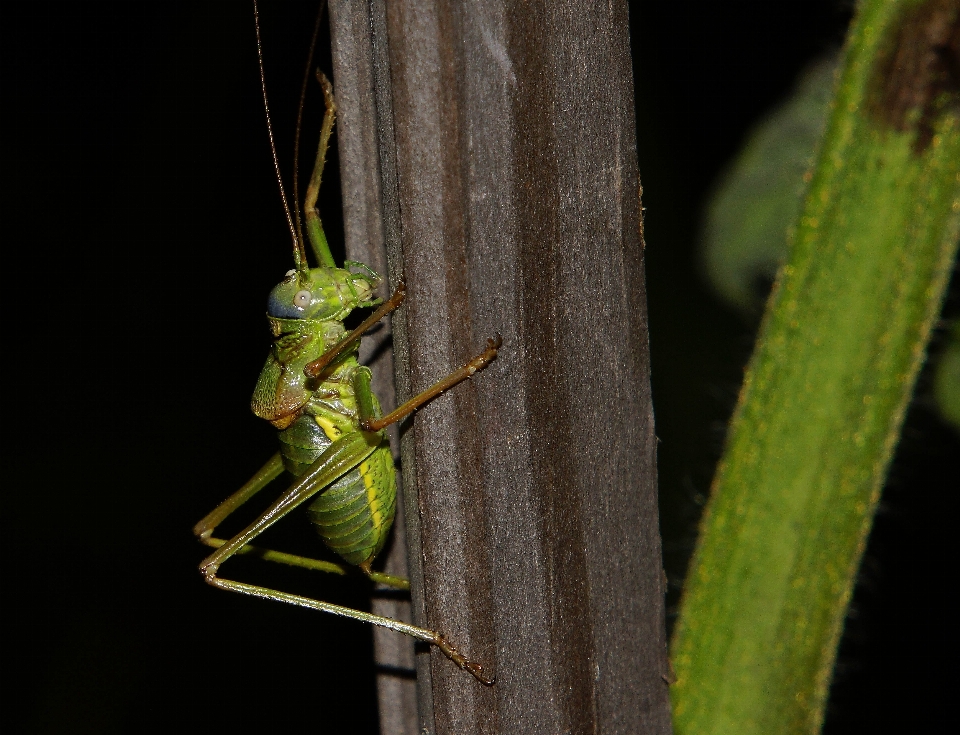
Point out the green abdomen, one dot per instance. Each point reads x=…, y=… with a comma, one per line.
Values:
x=353, y=515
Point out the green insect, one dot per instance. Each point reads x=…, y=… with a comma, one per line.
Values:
x=314, y=391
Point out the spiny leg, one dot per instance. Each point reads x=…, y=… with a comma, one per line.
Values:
x=315, y=369
x=458, y=376
x=340, y=457
x=305, y=562
x=263, y=477
x=421, y=634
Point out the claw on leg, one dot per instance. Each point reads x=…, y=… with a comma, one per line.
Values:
x=462, y=661
x=458, y=376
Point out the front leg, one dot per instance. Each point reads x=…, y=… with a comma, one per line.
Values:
x=315, y=369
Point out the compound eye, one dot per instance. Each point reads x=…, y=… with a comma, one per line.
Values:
x=302, y=299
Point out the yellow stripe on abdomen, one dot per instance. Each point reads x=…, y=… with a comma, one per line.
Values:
x=373, y=499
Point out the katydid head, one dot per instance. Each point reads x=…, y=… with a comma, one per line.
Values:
x=322, y=294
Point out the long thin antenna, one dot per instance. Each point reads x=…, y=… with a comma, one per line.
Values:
x=296, y=137
x=299, y=255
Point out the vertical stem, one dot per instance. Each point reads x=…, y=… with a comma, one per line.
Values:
x=359, y=59
x=535, y=481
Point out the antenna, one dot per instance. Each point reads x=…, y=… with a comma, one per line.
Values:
x=299, y=255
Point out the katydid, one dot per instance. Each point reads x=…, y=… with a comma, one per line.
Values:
x=332, y=439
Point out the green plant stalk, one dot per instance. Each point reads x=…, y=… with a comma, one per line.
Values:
x=824, y=397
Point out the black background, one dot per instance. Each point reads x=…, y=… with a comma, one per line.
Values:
x=146, y=234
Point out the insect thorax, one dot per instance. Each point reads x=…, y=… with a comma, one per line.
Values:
x=283, y=390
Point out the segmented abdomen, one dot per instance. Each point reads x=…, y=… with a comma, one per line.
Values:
x=353, y=515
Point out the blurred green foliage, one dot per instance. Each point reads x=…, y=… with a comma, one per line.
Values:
x=759, y=197
x=946, y=383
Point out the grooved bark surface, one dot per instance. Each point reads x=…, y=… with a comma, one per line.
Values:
x=356, y=59
x=510, y=205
